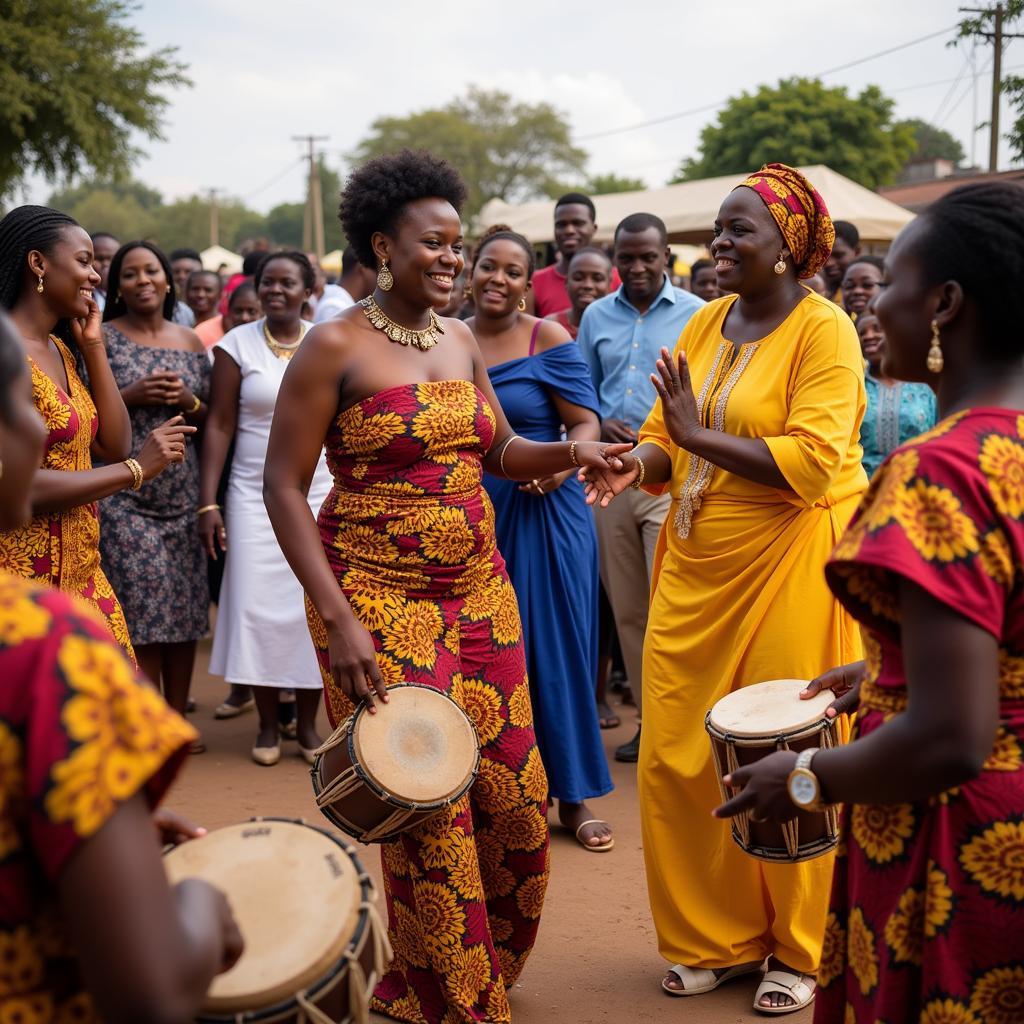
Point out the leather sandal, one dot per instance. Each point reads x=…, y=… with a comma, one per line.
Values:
x=601, y=847
x=785, y=983
x=698, y=980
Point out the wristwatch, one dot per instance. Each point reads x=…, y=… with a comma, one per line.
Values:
x=803, y=786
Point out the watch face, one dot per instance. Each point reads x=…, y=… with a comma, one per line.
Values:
x=802, y=790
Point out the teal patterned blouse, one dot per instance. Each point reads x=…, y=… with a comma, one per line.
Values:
x=896, y=412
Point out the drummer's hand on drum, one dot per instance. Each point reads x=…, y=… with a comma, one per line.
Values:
x=204, y=909
x=844, y=681
x=354, y=663
x=764, y=789
x=173, y=829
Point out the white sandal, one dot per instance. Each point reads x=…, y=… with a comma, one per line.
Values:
x=698, y=980
x=785, y=983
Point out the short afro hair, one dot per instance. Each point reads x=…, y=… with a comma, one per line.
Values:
x=847, y=232
x=577, y=199
x=376, y=194
x=637, y=222
x=503, y=233
x=300, y=259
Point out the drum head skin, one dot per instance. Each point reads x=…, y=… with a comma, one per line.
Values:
x=768, y=709
x=296, y=896
x=419, y=747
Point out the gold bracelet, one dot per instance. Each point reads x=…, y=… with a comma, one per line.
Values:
x=639, y=481
x=501, y=457
x=572, y=454
x=136, y=471
x=207, y=508
x=196, y=407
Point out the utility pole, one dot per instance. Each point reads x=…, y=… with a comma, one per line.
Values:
x=996, y=37
x=214, y=216
x=313, y=217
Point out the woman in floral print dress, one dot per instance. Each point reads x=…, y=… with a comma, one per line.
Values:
x=405, y=583
x=927, y=914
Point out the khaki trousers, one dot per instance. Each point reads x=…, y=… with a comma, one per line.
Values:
x=627, y=534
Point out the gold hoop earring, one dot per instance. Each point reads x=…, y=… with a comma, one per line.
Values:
x=935, y=361
x=39, y=287
x=522, y=305
x=780, y=266
x=385, y=282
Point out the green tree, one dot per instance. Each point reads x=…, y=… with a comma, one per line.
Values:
x=504, y=149
x=606, y=184
x=127, y=209
x=932, y=143
x=981, y=26
x=75, y=83
x=802, y=121
x=186, y=223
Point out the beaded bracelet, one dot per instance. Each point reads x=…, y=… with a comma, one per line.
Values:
x=572, y=454
x=639, y=481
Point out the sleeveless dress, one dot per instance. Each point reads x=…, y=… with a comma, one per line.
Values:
x=409, y=533
x=926, y=921
x=63, y=548
x=261, y=639
x=550, y=546
x=149, y=543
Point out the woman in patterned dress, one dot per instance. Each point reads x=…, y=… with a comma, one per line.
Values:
x=927, y=914
x=90, y=930
x=46, y=283
x=404, y=581
x=149, y=545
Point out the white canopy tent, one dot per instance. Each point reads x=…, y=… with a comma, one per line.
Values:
x=689, y=209
x=217, y=255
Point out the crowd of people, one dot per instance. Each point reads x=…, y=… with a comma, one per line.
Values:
x=799, y=462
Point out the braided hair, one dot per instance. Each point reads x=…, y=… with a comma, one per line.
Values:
x=502, y=232
x=974, y=235
x=116, y=305
x=24, y=229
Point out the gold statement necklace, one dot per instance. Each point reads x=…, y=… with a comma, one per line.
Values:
x=423, y=340
x=280, y=348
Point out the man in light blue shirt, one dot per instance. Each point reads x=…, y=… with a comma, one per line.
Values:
x=621, y=337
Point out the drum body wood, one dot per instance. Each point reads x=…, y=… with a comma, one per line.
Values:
x=379, y=775
x=315, y=946
x=755, y=721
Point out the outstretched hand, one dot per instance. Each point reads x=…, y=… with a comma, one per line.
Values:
x=678, y=402
x=602, y=483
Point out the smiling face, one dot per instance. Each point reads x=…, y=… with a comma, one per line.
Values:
x=68, y=274
x=243, y=307
x=104, y=248
x=202, y=293
x=747, y=244
x=181, y=268
x=641, y=258
x=872, y=340
x=590, y=278
x=860, y=286
x=282, y=290
x=574, y=228
x=143, y=282
x=843, y=254
x=499, y=278
x=705, y=284
x=425, y=253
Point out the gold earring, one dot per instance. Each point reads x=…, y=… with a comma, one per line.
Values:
x=385, y=282
x=780, y=266
x=522, y=305
x=1, y=469
x=39, y=287
x=935, y=359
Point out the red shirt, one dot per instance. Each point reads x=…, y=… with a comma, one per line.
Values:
x=549, y=292
x=562, y=317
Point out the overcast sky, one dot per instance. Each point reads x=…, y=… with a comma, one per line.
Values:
x=266, y=71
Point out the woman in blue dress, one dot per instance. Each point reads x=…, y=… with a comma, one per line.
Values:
x=896, y=411
x=544, y=528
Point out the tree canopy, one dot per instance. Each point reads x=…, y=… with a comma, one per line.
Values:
x=802, y=121
x=932, y=143
x=75, y=83
x=606, y=184
x=504, y=148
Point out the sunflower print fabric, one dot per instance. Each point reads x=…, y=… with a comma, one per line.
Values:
x=409, y=533
x=62, y=549
x=80, y=733
x=927, y=915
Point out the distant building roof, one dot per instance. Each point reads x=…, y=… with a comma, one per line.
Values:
x=918, y=195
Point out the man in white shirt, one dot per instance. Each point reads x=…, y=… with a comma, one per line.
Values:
x=355, y=283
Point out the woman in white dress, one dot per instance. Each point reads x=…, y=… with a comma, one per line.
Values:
x=261, y=639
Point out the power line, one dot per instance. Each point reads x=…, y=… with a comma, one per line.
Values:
x=714, y=106
x=274, y=180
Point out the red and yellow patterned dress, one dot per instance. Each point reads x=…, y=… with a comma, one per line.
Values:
x=63, y=548
x=409, y=533
x=80, y=733
x=927, y=915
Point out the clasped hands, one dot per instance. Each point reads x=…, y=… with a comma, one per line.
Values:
x=682, y=423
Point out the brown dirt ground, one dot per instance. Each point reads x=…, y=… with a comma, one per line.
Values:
x=596, y=959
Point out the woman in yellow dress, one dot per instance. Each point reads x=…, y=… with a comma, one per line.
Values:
x=762, y=457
